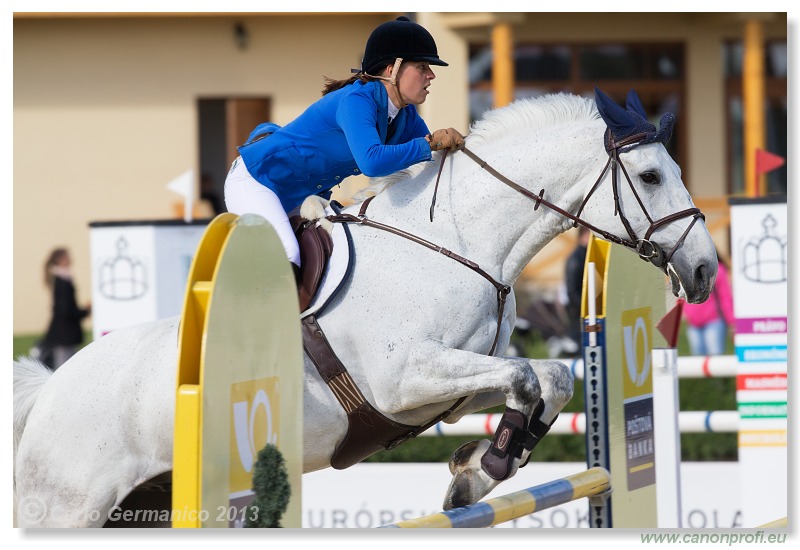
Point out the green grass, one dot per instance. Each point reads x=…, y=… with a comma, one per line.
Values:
x=23, y=344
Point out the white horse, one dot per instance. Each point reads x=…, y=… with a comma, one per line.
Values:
x=413, y=327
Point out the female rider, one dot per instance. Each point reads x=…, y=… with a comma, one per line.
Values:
x=367, y=124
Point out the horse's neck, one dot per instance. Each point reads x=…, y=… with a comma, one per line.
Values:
x=482, y=219
x=507, y=232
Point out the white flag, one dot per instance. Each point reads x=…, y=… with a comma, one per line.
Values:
x=184, y=185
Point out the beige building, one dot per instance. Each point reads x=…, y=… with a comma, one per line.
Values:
x=109, y=108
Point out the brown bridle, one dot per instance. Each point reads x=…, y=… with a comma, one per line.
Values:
x=647, y=249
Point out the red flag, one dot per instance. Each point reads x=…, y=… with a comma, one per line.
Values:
x=767, y=162
x=669, y=325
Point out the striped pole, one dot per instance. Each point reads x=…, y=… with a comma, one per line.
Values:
x=575, y=423
x=592, y=482
x=698, y=366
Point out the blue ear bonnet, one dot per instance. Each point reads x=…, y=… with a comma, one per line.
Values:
x=632, y=120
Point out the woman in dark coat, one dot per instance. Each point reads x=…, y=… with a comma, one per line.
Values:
x=65, y=334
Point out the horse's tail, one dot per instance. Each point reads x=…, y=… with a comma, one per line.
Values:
x=29, y=377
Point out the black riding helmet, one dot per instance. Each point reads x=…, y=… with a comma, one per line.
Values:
x=399, y=38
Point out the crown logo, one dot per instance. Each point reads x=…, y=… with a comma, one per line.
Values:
x=765, y=255
x=123, y=277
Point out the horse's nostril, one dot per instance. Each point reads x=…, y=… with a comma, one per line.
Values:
x=700, y=274
x=701, y=279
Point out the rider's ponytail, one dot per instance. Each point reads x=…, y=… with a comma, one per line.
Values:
x=331, y=85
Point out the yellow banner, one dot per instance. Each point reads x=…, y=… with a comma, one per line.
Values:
x=762, y=438
x=637, y=345
x=255, y=421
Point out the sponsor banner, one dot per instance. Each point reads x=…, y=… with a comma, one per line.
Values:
x=369, y=495
x=139, y=271
x=761, y=354
x=637, y=387
x=761, y=396
x=764, y=409
x=640, y=453
x=637, y=346
x=760, y=368
x=768, y=381
x=761, y=325
x=255, y=422
x=759, y=276
x=746, y=340
x=759, y=258
x=762, y=424
x=762, y=438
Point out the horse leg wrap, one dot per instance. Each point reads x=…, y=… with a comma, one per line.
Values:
x=510, y=440
x=537, y=428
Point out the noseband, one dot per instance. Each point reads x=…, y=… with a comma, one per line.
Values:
x=647, y=249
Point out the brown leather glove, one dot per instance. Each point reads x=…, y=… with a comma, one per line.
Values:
x=445, y=139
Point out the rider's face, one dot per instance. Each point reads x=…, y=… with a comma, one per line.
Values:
x=413, y=80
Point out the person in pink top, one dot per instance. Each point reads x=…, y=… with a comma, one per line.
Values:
x=707, y=323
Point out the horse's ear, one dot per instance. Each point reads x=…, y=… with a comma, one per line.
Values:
x=633, y=103
x=618, y=120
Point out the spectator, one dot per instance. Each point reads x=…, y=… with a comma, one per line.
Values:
x=707, y=323
x=64, y=334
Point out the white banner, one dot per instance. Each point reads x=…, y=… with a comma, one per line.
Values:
x=370, y=495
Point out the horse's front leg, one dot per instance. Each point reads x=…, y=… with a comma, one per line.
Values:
x=535, y=392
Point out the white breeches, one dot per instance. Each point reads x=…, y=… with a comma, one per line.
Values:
x=244, y=195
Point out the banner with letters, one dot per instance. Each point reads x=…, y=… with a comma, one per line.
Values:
x=759, y=277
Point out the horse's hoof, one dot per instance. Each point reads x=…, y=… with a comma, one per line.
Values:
x=460, y=491
x=469, y=483
x=461, y=456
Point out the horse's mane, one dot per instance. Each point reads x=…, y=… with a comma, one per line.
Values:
x=522, y=114
x=532, y=113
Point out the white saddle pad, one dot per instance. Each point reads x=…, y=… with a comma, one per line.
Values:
x=338, y=267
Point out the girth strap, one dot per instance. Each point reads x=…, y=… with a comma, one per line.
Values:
x=368, y=431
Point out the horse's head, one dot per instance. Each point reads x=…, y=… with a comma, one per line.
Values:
x=652, y=212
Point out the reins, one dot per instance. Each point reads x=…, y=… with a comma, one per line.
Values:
x=502, y=290
x=647, y=250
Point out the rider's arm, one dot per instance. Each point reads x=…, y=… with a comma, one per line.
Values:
x=357, y=116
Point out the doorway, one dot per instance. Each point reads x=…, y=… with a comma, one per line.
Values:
x=224, y=123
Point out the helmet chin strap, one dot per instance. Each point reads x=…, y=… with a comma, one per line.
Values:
x=392, y=79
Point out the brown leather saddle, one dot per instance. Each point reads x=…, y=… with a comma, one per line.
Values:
x=316, y=247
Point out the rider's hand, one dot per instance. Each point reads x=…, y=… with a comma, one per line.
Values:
x=445, y=139
x=313, y=209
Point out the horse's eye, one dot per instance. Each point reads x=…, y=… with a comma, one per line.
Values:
x=650, y=178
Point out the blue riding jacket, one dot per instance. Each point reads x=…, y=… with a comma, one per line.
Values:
x=342, y=134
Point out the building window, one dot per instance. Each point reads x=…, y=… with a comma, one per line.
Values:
x=655, y=71
x=776, y=109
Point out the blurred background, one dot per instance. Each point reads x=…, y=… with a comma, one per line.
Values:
x=109, y=108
